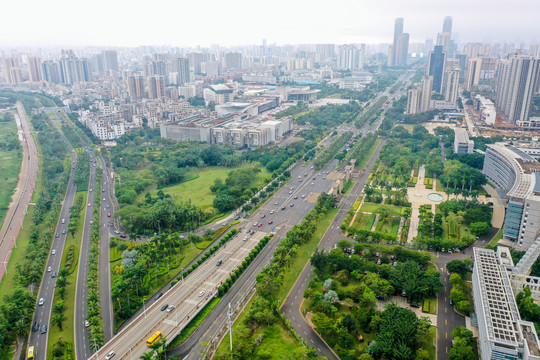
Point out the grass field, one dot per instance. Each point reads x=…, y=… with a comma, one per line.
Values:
x=440, y=186
x=10, y=164
x=198, y=189
x=304, y=254
x=8, y=281
x=67, y=333
x=430, y=306
x=277, y=343
x=370, y=152
x=373, y=208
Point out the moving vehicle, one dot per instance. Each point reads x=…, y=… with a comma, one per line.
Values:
x=86, y=323
x=171, y=308
x=30, y=353
x=41, y=301
x=201, y=293
x=63, y=221
x=44, y=329
x=219, y=263
x=164, y=307
x=53, y=251
x=154, y=338
x=35, y=327
x=110, y=355
x=49, y=269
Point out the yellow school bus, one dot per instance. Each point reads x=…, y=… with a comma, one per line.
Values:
x=154, y=338
x=30, y=353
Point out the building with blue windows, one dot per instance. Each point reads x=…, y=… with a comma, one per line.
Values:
x=517, y=177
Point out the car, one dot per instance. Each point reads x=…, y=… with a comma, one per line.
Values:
x=292, y=187
x=41, y=301
x=312, y=183
x=158, y=296
x=277, y=203
x=270, y=222
x=252, y=232
x=44, y=329
x=245, y=238
x=110, y=355
x=237, y=218
x=296, y=197
x=219, y=263
x=314, y=178
x=109, y=215
x=86, y=323
x=57, y=235
x=255, y=224
x=263, y=216
x=290, y=191
x=170, y=308
x=53, y=252
x=123, y=236
x=89, y=204
x=379, y=297
x=283, y=208
x=164, y=307
x=53, y=275
x=49, y=269
x=259, y=225
x=451, y=302
x=103, y=199
x=103, y=190
x=201, y=293
x=300, y=180
x=415, y=305
x=116, y=232
x=35, y=327
x=272, y=211
x=291, y=205
x=108, y=206
x=64, y=231
x=303, y=196
x=90, y=189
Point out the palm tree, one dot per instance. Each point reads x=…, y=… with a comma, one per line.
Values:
x=147, y=356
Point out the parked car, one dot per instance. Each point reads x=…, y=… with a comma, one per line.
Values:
x=259, y=225
x=270, y=222
x=219, y=263
x=415, y=305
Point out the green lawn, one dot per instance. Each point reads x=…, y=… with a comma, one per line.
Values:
x=372, y=208
x=440, y=186
x=18, y=253
x=10, y=165
x=493, y=243
x=198, y=189
x=277, y=343
x=428, y=342
x=389, y=227
x=67, y=327
x=363, y=219
x=304, y=254
x=430, y=306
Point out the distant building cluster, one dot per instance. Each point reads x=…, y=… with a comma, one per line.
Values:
x=237, y=130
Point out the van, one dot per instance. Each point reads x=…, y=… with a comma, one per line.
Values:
x=63, y=221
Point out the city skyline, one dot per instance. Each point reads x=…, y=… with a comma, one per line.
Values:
x=58, y=23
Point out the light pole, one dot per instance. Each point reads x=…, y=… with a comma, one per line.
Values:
x=144, y=307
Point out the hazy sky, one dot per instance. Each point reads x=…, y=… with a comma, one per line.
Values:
x=241, y=22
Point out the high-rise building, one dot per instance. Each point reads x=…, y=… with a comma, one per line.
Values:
x=397, y=53
x=447, y=25
x=180, y=66
x=211, y=68
x=135, y=86
x=233, y=61
x=325, y=50
x=451, y=86
x=13, y=70
x=156, y=87
x=350, y=57
x=436, y=63
x=51, y=72
x=473, y=74
x=425, y=100
x=516, y=82
x=34, y=69
x=110, y=60
x=419, y=97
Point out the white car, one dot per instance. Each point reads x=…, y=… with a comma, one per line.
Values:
x=53, y=252
x=49, y=269
x=110, y=355
x=170, y=308
x=41, y=301
x=201, y=293
x=86, y=323
x=255, y=224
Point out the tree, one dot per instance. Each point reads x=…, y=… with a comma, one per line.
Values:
x=331, y=296
x=324, y=325
x=457, y=267
x=58, y=319
x=480, y=228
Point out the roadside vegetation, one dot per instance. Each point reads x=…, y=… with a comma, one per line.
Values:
x=10, y=160
x=342, y=300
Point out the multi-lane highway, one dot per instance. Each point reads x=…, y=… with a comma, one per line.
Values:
x=23, y=192
x=289, y=206
x=42, y=315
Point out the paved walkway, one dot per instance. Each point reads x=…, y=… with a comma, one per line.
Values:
x=498, y=207
x=23, y=191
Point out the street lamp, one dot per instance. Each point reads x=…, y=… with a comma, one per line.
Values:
x=144, y=307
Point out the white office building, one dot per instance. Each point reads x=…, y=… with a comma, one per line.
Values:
x=502, y=333
x=462, y=144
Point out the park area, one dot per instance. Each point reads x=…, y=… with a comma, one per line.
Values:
x=379, y=217
x=10, y=160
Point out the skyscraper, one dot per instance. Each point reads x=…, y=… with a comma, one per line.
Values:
x=350, y=57
x=135, y=86
x=473, y=74
x=13, y=70
x=34, y=68
x=447, y=25
x=233, y=61
x=180, y=66
x=156, y=87
x=397, y=54
x=437, y=59
x=445, y=37
x=110, y=58
x=516, y=82
x=451, y=86
x=51, y=72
